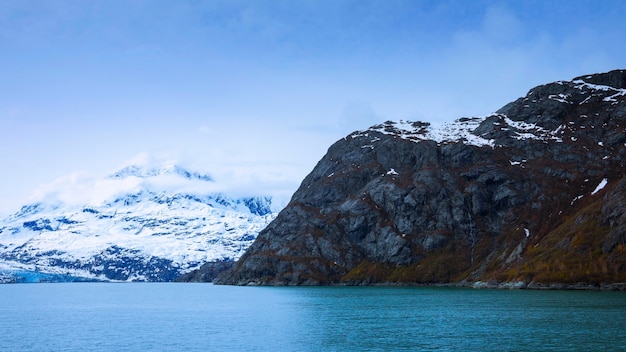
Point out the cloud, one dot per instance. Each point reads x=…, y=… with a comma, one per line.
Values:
x=501, y=26
x=79, y=189
x=507, y=50
x=235, y=180
x=204, y=129
x=544, y=43
x=254, y=93
x=358, y=115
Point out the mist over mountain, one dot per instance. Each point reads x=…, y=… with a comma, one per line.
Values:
x=144, y=222
x=533, y=195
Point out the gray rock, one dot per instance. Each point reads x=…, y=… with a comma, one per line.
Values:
x=386, y=205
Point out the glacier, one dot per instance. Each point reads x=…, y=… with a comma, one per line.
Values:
x=148, y=223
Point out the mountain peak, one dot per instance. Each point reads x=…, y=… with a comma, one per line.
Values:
x=531, y=195
x=615, y=79
x=543, y=114
x=143, y=171
x=149, y=221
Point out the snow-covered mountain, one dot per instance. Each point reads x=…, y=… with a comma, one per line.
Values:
x=141, y=223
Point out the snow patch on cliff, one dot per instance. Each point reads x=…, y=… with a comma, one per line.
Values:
x=600, y=186
x=458, y=131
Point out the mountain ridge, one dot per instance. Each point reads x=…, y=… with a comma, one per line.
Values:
x=530, y=196
x=152, y=223
x=168, y=169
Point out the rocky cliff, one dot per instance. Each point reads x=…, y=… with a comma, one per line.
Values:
x=533, y=194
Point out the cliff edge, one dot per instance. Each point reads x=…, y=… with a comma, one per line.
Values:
x=533, y=194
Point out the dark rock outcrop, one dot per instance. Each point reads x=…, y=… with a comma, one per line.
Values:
x=207, y=272
x=534, y=193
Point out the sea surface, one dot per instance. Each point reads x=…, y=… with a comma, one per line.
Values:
x=204, y=317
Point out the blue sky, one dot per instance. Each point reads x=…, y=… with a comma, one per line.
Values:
x=254, y=92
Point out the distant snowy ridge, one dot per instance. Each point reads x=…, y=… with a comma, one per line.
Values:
x=149, y=231
x=172, y=169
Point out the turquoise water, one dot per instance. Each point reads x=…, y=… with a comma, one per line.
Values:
x=203, y=317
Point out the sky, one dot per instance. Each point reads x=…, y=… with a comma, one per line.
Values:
x=254, y=92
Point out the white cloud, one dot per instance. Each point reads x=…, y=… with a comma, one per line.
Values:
x=236, y=179
x=254, y=93
x=358, y=115
x=81, y=189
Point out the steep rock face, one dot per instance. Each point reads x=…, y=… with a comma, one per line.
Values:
x=534, y=193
